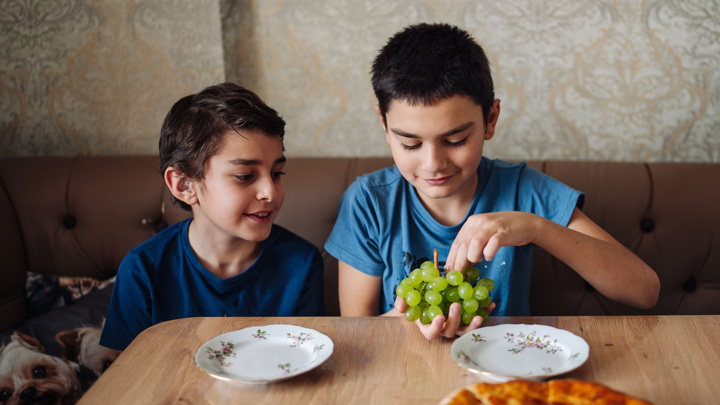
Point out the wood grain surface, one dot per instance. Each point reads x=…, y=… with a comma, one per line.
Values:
x=384, y=360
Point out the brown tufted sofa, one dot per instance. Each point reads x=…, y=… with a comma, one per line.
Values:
x=79, y=216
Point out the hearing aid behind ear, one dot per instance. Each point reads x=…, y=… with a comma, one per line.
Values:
x=185, y=186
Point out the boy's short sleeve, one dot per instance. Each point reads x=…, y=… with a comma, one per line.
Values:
x=354, y=237
x=547, y=197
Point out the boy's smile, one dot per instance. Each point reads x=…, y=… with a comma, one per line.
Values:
x=438, y=148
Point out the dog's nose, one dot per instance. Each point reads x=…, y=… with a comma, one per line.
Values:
x=28, y=394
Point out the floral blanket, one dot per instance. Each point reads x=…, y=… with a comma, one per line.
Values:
x=54, y=356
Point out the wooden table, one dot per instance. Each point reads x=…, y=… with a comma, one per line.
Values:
x=383, y=360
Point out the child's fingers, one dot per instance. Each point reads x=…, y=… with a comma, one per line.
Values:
x=475, y=251
x=475, y=323
x=457, y=262
x=401, y=305
x=453, y=322
x=432, y=331
x=450, y=260
x=491, y=248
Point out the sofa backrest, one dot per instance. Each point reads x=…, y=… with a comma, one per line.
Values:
x=667, y=213
x=80, y=216
x=74, y=217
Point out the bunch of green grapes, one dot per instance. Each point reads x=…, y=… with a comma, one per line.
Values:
x=429, y=294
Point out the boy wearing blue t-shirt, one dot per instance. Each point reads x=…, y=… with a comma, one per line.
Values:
x=437, y=106
x=221, y=155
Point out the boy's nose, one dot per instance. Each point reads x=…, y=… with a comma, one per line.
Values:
x=434, y=159
x=267, y=190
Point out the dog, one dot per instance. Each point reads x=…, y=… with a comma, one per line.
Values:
x=30, y=376
x=81, y=345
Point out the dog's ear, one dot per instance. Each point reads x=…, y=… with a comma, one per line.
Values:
x=69, y=341
x=86, y=376
x=28, y=341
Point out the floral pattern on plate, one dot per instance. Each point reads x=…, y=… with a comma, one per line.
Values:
x=523, y=341
x=264, y=354
x=220, y=355
x=506, y=352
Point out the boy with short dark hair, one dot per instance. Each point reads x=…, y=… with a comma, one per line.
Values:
x=437, y=107
x=221, y=156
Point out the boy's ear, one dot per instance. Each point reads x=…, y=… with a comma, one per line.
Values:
x=180, y=186
x=492, y=120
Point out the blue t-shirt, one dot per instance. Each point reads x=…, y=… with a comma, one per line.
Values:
x=384, y=230
x=161, y=279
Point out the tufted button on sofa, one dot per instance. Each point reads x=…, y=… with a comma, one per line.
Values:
x=80, y=216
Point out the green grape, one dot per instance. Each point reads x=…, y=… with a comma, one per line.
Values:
x=429, y=273
x=415, y=277
x=445, y=306
x=465, y=290
x=452, y=295
x=403, y=289
x=481, y=292
x=470, y=305
x=413, y=298
x=454, y=277
x=489, y=284
x=425, y=317
x=483, y=313
x=433, y=311
x=427, y=265
x=429, y=294
x=413, y=313
x=472, y=274
x=433, y=297
x=467, y=317
x=439, y=283
x=444, y=295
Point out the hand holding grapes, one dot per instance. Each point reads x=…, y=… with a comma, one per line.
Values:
x=439, y=305
x=483, y=234
x=440, y=326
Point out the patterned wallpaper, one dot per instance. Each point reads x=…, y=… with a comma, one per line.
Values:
x=587, y=79
x=82, y=77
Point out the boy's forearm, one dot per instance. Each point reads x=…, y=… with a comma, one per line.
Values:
x=608, y=266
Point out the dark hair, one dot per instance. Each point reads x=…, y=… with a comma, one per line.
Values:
x=196, y=123
x=427, y=63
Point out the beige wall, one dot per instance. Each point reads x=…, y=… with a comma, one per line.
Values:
x=593, y=79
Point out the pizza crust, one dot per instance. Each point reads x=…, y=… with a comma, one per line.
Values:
x=553, y=392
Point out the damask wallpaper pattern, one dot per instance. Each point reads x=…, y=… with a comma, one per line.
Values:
x=587, y=79
x=81, y=77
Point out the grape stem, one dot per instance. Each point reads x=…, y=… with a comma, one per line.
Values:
x=435, y=258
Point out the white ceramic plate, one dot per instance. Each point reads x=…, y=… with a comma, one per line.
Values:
x=507, y=352
x=261, y=354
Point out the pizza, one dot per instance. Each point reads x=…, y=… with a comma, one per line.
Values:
x=553, y=392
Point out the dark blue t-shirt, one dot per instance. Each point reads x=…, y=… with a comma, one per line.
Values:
x=162, y=279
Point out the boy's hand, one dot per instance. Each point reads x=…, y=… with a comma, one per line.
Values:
x=483, y=234
x=439, y=327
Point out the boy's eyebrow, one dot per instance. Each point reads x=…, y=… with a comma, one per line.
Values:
x=251, y=162
x=459, y=128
